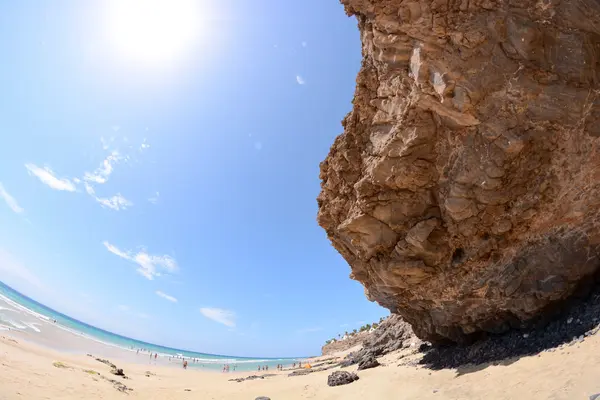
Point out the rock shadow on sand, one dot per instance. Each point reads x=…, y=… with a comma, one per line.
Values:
x=566, y=324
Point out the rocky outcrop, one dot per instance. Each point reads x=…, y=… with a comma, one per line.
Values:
x=345, y=344
x=465, y=189
x=391, y=335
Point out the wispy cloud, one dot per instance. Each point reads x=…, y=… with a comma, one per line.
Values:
x=304, y=44
x=50, y=179
x=225, y=317
x=344, y=325
x=154, y=199
x=149, y=266
x=166, y=296
x=122, y=307
x=90, y=189
x=145, y=145
x=10, y=201
x=117, y=202
x=300, y=80
x=101, y=174
x=309, y=330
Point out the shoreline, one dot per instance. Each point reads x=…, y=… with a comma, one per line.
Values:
x=32, y=315
x=35, y=372
x=22, y=317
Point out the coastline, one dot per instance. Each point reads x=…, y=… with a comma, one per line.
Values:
x=34, y=322
x=35, y=372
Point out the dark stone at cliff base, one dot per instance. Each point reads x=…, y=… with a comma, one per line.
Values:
x=338, y=378
x=118, y=372
x=463, y=191
x=368, y=363
x=263, y=398
x=578, y=318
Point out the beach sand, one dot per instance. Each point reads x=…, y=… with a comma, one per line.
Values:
x=31, y=371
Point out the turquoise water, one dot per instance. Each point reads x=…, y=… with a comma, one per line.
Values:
x=19, y=312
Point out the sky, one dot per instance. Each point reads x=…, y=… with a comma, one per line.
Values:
x=159, y=168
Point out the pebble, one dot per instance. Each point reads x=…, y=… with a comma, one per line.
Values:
x=569, y=320
x=526, y=335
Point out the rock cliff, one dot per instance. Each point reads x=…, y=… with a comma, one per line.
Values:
x=464, y=191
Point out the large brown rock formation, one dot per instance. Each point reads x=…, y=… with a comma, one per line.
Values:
x=465, y=189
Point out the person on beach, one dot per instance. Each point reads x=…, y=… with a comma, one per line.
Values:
x=155, y=355
x=184, y=364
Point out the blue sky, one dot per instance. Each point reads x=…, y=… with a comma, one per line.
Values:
x=166, y=190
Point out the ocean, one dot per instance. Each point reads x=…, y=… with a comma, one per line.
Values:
x=19, y=312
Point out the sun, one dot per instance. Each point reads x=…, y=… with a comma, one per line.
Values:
x=153, y=31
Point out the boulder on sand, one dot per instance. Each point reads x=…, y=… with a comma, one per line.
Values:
x=367, y=363
x=338, y=378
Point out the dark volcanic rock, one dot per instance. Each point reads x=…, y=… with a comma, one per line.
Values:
x=573, y=325
x=251, y=378
x=465, y=189
x=338, y=378
x=368, y=363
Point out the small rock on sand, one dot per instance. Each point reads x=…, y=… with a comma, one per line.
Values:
x=338, y=378
x=263, y=398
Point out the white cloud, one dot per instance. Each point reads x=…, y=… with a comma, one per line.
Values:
x=344, y=325
x=117, y=202
x=101, y=174
x=122, y=307
x=258, y=145
x=154, y=200
x=225, y=317
x=10, y=201
x=144, y=145
x=115, y=128
x=300, y=80
x=309, y=330
x=48, y=178
x=304, y=44
x=89, y=189
x=149, y=266
x=166, y=296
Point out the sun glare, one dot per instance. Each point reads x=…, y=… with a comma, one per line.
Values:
x=154, y=31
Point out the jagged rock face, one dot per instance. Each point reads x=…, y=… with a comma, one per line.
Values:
x=465, y=189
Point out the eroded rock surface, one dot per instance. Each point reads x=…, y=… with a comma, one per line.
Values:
x=465, y=189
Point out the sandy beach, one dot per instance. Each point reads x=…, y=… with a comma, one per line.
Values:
x=32, y=371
